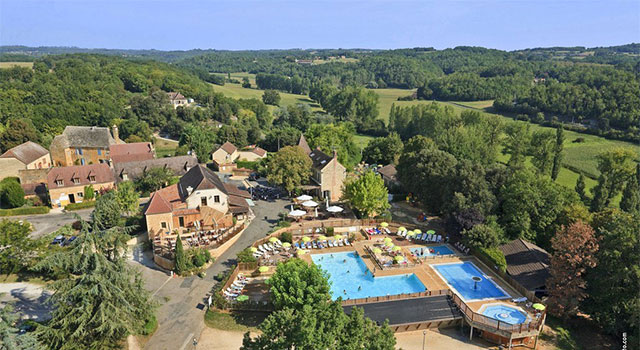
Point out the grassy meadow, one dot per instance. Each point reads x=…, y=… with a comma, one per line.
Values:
x=14, y=64
x=580, y=156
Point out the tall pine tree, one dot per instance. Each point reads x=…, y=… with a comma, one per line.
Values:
x=581, y=189
x=601, y=194
x=557, y=156
x=181, y=259
x=631, y=195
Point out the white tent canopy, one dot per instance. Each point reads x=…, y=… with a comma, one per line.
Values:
x=310, y=204
x=304, y=197
x=297, y=213
x=334, y=209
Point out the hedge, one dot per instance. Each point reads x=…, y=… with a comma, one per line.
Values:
x=494, y=255
x=24, y=211
x=247, y=164
x=81, y=205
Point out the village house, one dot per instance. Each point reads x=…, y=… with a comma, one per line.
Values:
x=131, y=152
x=200, y=200
x=388, y=173
x=66, y=184
x=177, y=99
x=527, y=264
x=252, y=154
x=83, y=145
x=28, y=155
x=327, y=173
x=179, y=166
x=224, y=157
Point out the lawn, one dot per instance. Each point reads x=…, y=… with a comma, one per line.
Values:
x=242, y=321
x=286, y=99
x=164, y=147
x=362, y=140
x=13, y=64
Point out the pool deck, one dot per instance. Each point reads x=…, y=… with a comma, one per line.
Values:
x=425, y=273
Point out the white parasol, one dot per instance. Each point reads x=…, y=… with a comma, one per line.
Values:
x=334, y=209
x=304, y=197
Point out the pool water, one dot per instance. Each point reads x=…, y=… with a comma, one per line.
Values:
x=437, y=250
x=459, y=277
x=505, y=313
x=350, y=278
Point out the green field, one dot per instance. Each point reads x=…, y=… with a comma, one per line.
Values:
x=362, y=140
x=14, y=64
x=579, y=156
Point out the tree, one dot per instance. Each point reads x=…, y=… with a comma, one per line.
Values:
x=12, y=193
x=617, y=165
x=631, y=195
x=612, y=285
x=574, y=249
x=200, y=139
x=153, y=179
x=601, y=197
x=107, y=213
x=245, y=83
x=89, y=193
x=581, y=189
x=271, y=97
x=17, y=250
x=335, y=137
x=127, y=197
x=277, y=138
x=557, y=153
x=543, y=150
x=297, y=116
x=367, y=194
x=517, y=142
x=181, y=259
x=487, y=235
x=246, y=256
x=290, y=167
x=297, y=283
x=101, y=299
x=11, y=337
x=383, y=150
x=17, y=131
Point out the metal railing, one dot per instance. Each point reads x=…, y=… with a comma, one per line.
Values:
x=426, y=293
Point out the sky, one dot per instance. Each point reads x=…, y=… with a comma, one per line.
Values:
x=274, y=24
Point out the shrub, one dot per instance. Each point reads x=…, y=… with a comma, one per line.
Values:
x=89, y=192
x=24, y=211
x=246, y=256
x=77, y=225
x=286, y=237
x=82, y=205
x=150, y=326
x=199, y=260
x=578, y=140
x=330, y=231
x=496, y=257
x=12, y=194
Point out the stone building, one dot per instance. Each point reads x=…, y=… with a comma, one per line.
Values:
x=28, y=155
x=83, y=145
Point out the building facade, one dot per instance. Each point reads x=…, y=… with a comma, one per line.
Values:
x=83, y=145
x=28, y=155
x=66, y=184
x=327, y=173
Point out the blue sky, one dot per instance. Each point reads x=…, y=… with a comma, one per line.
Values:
x=235, y=25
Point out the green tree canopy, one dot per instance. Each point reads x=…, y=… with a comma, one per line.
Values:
x=199, y=138
x=107, y=212
x=367, y=194
x=127, y=197
x=290, y=167
x=271, y=97
x=383, y=150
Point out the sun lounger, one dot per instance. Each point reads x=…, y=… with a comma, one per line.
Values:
x=256, y=255
x=231, y=295
x=426, y=237
x=340, y=243
x=297, y=245
x=439, y=238
x=519, y=300
x=330, y=243
x=346, y=242
x=466, y=251
x=314, y=245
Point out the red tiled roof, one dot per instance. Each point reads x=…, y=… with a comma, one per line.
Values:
x=175, y=96
x=235, y=191
x=157, y=205
x=82, y=173
x=388, y=171
x=131, y=152
x=26, y=152
x=259, y=151
x=304, y=145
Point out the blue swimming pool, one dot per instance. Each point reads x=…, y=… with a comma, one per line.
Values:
x=437, y=250
x=504, y=313
x=459, y=277
x=350, y=278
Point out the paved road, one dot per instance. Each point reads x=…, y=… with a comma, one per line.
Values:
x=28, y=300
x=182, y=300
x=44, y=224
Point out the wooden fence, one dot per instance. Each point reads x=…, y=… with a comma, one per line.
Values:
x=427, y=293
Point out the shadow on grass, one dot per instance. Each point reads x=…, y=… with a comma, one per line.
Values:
x=240, y=321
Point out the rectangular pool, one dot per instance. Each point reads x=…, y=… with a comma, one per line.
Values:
x=459, y=276
x=350, y=278
x=426, y=251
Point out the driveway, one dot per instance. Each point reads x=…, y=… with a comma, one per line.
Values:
x=45, y=224
x=182, y=300
x=28, y=300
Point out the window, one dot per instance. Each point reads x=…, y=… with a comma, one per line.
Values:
x=203, y=201
x=76, y=180
x=216, y=199
x=82, y=161
x=59, y=183
x=80, y=194
x=125, y=177
x=181, y=221
x=163, y=224
x=99, y=152
x=79, y=151
x=92, y=178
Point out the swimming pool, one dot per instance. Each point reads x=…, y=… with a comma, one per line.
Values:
x=350, y=278
x=504, y=313
x=437, y=250
x=459, y=277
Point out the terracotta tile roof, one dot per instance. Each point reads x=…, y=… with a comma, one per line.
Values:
x=82, y=173
x=26, y=152
x=157, y=205
x=210, y=216
x=259, y=151
x=175, y=96
x=229, y=147
x=131, y=152
x=236, y=201
x=199, y=178
x=235, y=191
x=526, y=263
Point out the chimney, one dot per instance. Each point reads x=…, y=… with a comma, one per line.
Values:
x=189, y=190
x=335, y=154
x=116, y=135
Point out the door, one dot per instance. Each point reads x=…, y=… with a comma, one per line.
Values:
x=72, y=198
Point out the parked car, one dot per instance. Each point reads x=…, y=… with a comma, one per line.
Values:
x=58, y=240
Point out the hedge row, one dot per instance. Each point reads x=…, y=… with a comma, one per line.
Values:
x=496, y=256
x=24, y=211
x=81, y=205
